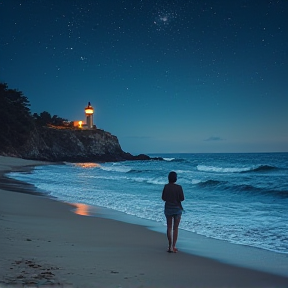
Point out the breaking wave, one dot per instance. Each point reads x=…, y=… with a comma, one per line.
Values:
x=258, y=168
x=169, y=159
x=175, y=159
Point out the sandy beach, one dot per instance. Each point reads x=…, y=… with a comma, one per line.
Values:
x=44, y=244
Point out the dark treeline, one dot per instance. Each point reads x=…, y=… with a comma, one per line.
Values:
x=16, y=119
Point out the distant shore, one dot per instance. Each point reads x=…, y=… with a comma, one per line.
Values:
x=46, y=244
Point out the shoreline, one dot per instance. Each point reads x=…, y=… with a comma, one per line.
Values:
x=107, y=252
x=195, y=244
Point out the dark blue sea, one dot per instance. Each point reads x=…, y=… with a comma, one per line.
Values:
x=239, y=198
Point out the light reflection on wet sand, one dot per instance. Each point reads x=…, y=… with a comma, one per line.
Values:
x=84, y=209
x=88, y=165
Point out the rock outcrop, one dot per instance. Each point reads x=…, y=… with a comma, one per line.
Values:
x=55, y=144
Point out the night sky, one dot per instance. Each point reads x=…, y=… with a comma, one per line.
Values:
x=163, y=76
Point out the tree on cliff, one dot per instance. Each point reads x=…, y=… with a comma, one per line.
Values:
x=45, y=118
x=15, y=117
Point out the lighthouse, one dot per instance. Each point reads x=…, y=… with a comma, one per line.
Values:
x=89, y=116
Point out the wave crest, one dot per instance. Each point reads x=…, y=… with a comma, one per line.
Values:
x=178, y=160
x=261, y=168
x=244, y=188
x=169, y=159
x=209, y=183
x=205, y=168
x=257, y=168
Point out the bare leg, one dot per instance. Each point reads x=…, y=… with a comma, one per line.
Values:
x=169, y=232
x=175, y=231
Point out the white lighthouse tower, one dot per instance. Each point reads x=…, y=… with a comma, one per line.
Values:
x=89, y=116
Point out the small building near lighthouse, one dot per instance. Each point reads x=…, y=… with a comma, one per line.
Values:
x=89, y=111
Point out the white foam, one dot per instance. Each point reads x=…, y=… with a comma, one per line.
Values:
x=121, y=169
x=157, y=181
x=139, y=179
x=205, y=168
x=169, y=159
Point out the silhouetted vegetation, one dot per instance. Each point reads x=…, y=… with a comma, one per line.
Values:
x=45, y=118
x=16, y=119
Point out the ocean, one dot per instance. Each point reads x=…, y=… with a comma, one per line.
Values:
x=239, y=198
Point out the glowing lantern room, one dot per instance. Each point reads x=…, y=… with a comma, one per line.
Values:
x=89, y=115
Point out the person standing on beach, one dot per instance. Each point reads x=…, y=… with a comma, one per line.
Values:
x=173, y=196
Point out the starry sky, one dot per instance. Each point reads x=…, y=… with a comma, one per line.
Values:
x=162, y=75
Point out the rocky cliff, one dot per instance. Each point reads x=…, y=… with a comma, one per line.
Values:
x=55, y=144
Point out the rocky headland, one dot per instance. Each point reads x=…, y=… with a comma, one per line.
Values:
x=56, y=144
x=51, y=138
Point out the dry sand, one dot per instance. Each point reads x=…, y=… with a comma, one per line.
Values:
x=44, y=244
